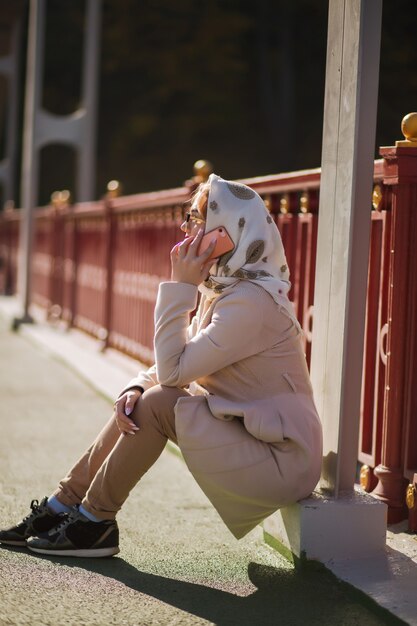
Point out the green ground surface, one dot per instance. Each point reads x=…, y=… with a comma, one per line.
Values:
x=178, y=563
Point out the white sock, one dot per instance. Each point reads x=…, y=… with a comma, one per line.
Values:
x=56, y=506
x=89, y=515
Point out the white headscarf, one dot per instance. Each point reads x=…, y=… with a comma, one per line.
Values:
x=258, y=255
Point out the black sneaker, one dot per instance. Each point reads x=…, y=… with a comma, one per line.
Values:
x=78, y=536
x=40, y=520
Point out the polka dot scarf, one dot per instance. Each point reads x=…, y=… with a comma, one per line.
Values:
x=258, y=255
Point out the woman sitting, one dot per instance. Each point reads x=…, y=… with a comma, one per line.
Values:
x=232, y=389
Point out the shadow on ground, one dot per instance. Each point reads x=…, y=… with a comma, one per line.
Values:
x=282, y=596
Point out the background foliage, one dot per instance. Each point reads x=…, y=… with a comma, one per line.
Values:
x=234, y=81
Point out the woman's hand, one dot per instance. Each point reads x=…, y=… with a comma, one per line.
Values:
x=186, y=266
x=124, y=407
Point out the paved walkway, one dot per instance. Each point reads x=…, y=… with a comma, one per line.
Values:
x=178, y=563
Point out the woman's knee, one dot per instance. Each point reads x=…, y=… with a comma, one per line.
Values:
x=158, y=400
x=155, y=411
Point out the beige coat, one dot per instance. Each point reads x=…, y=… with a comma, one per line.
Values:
x=250, y=433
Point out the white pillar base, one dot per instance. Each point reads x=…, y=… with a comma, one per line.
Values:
x=328, y=530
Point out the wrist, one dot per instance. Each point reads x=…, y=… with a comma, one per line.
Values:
x=137, y=388
x=183, y=281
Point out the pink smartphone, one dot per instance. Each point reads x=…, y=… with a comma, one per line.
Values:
x=224, y=242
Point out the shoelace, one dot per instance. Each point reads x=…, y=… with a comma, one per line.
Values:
x=36, y=508
x=70, y=517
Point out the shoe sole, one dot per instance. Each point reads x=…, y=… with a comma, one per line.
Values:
x=13, y=543
x=93, y=552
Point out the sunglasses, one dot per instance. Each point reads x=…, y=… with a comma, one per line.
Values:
x=190, y=216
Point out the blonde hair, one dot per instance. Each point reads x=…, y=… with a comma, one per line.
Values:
x=200, y=199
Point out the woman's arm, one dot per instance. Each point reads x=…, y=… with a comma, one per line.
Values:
x=188, y=267
x=233, y=333
x=127, y=398
x=148, y=378
x=144, y=380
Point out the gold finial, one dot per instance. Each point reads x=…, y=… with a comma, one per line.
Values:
x=65, y=196
x=55, y=199
x=284, y=203
x=304, y=202
x=410, y=496
x=202, y=170
x=365, y=477
x=409, y=130
x=114, y=189
x=376, y=197
x=60, y=198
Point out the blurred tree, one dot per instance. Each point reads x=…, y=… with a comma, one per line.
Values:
x=176, y=74
x=236, y=82
x=217, y=81
x=398, y=78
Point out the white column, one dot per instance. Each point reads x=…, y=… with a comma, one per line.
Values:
x=42, y=128
x=86, y=170
x=350, y=109
x=30, y=157
x=337, y=523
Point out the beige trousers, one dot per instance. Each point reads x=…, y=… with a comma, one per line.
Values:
x=104, y=476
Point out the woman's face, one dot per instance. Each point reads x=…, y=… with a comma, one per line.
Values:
x=191, y=225
x=194, y=217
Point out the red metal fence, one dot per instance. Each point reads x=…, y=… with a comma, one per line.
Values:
x=98, y=265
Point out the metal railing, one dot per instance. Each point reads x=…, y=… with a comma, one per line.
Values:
x=98, y=265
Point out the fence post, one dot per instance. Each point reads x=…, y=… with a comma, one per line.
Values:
x=400, y=172
x=74, y=269
x=59, y=201
x=6, y=226
x=114, y=190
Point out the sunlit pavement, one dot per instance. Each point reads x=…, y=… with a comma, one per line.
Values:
x=178, y=563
